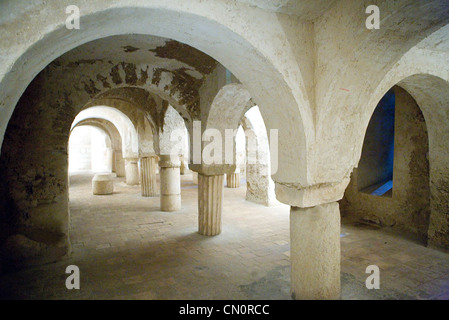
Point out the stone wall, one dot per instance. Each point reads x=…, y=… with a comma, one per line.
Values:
x=34, y=185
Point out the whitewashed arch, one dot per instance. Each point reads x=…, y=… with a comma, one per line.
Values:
x=260, y=186
x=274, y=80
x=127, y=130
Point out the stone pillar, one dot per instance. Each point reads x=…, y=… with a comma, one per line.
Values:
x=148, y=176
x=195, y=177
x=315, y=252
x=131, y=171
x=210, y=204
x=233, y=179
x=114, y=161
x=182, y=168
x=119, y=163
x=170, y=184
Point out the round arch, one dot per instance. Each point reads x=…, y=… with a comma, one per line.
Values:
x=226, y=112
x=118, y=164
x=366, y=60
x=90, y=149
x=431, y=94
x=236, y=47
x=105, y=125
x=127, y=130
x=260, y=187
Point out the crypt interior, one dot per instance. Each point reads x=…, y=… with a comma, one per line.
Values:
x=329, y=141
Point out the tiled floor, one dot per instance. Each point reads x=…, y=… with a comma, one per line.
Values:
x=127, y=249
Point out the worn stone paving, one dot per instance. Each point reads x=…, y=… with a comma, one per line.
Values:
x=127, y=249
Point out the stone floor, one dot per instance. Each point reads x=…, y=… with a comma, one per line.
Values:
x=127, y=249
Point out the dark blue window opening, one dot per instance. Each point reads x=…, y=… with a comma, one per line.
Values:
x=375, y=172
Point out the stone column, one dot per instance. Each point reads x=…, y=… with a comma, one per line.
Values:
x=195, y=177
x=114, y=161
x=210, y=204
x=315, y=252
x=233, y=179
x=119, y=163
x=148, y=176
x=182, y=168
x=170, y=183
x=131, y=171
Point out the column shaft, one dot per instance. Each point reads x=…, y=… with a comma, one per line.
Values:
x=315, y=252
x=132, y=172
x=182, y=168
x=119, y=164
x=170, y=184
x=148, y=176
x=210, y=204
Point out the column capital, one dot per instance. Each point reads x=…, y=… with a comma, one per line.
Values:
x=149, y=155
x=213, y=169
x=310, y=196
x=132, y=159
x=169, y=161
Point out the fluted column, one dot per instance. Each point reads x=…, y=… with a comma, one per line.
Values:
x=210, y=204
x=148, y=176
x=131, y=171
x=170, y=183
x=233, y=179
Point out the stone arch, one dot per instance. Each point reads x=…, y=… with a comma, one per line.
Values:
x=260, y=187
x=118, y=164
x=390, y=187
x=173, y=123
x=145, y=99
x=428, y=59
x=237, y=47
x=428, y=83
x=351, y=80
x=46, y=184
x=228, y=107
x=423, y=73
x=105, y=125
x=88, y=152
x=431, y=93
x=126, y=128
x=225, y=113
